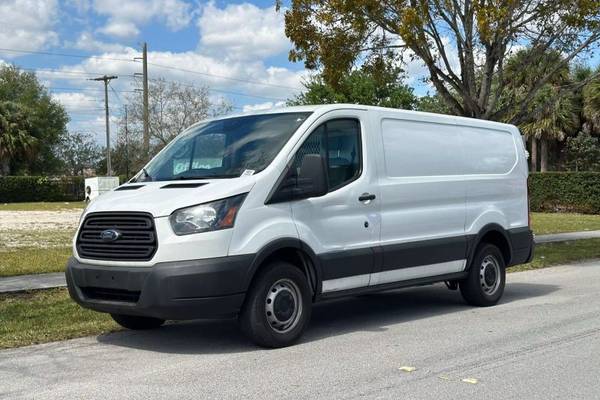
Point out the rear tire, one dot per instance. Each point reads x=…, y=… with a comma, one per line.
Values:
x=487, y=276
x=277, y=307
x=137, y=323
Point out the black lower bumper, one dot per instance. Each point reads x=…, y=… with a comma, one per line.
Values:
x=523, y=246
x=177, y=290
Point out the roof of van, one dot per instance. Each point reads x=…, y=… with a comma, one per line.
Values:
x=322, y=108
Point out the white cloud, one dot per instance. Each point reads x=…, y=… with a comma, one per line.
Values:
x=120, y=29
x=125, y=17
x=242, y=31
x=28, y=24
x=269, y=105
x=87, y=42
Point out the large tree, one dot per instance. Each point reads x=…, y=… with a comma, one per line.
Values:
x=78, y=151
x=47, y=120
x=553, y=113
x=463, y=43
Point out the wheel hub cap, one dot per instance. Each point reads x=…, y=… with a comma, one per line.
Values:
x=489, y=275
x=283, y=305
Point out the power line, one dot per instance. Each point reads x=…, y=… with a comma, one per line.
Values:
x=249, y=81
x=223, y=77
x=49, y=53
x=59, y=88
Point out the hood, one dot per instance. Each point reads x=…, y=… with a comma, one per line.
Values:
x=162, y=198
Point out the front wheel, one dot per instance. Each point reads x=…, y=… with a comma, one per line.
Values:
x=485, y=284
x=137, y=323
x=278, y=306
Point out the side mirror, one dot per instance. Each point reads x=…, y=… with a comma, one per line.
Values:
x=310, y=181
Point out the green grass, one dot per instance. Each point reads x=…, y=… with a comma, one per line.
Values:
x=29, y=260
x=47, y=316
x=550, y=254
x=42, y=206
x=544, y=223
x=50, y=315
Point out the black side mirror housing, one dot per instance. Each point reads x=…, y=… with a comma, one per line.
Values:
x=310, y=181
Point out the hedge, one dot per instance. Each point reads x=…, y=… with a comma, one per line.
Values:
x=14, y=189
x=549, y=191
x=565, y=191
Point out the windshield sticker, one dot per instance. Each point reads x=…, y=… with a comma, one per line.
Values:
x=248, y=172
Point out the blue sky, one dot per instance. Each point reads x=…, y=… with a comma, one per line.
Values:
x=232, y=47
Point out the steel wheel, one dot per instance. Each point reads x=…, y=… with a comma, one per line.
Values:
x=489, y=275
x=283, y=306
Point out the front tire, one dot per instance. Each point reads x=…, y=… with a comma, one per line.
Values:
x=277, y=307
x=137, y=323
x=485, y=284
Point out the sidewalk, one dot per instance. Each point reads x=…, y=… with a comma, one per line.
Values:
x=44, y=281
x=22, y=283
x=563, y=237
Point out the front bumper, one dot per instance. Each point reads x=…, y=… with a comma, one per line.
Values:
x=206, y=288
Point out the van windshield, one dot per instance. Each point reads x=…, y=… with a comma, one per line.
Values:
x=224, y=148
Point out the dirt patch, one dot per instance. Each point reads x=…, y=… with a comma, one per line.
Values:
x=34, y=221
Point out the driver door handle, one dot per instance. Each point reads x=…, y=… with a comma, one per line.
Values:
x=366, y=197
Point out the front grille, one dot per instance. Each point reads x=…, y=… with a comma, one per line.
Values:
x=126, y=296
x=136, y=239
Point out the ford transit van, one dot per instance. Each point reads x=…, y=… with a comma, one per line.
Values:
x=261, y=216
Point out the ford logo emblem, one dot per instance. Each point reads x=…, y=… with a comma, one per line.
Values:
x=110, y=235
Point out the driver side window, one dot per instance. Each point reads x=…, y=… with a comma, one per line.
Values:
x=338, y=141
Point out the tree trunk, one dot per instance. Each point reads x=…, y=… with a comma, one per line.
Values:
x=5, y=167
x=544, y=160
x=533, y=155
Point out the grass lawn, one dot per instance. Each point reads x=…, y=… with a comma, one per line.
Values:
x=544, y=223
x=47, y=316
x=42, y=206
x=29, y=260
x=50, y=315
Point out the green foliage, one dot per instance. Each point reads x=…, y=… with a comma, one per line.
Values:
x=368, y=85
x=15, y=139
x=433, y=104
x=16, y=189
x=565, y=191
x=78, y=151
x=583, y=152
x=591, y=102
x=43, y=119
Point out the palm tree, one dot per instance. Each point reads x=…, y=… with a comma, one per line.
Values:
x=591, y=102
x=15, y=139
x=553, y=116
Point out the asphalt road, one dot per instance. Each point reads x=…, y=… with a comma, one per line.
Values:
x=541, y=342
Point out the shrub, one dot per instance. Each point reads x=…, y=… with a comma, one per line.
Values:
x=14, y=189
x=565, y=191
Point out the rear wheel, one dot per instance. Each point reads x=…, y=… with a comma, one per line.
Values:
x=278, y=306
x=485, y=284
x=137, y=323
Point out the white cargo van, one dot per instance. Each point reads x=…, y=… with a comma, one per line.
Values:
x=260, y=216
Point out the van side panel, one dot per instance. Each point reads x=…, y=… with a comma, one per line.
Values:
x=422, y=198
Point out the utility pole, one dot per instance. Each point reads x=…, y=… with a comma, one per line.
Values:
x=106, y=79
x=145, y=112
x=126, y=146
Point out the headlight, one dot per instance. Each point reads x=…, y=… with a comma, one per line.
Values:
x=206, y=217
